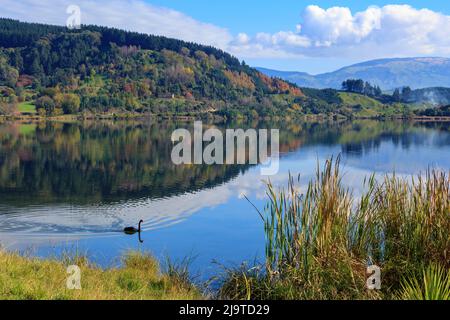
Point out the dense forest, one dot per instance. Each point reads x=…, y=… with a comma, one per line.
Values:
x=52, y=70
x=98, y=69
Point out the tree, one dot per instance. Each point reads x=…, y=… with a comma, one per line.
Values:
x=396, y=95
x=45, y=103
x=70, y=103
x=33, y=64
x=378, y=91
x=368, y=89
x=406, y=94
x=353, y=85
x=110, y=69
x=8, y=74
x=7, y=107
x=346, y=85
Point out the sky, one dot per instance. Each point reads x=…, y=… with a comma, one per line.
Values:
x=293, y=35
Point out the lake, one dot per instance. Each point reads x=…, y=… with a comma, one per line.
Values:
x=75, y=186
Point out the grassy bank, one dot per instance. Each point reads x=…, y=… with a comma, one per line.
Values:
x=320, y=242
x=139, y=278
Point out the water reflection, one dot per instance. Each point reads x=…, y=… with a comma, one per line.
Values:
x=78, y=181
x=95, y=163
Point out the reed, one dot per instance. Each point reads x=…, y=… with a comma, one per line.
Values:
x=319, y=242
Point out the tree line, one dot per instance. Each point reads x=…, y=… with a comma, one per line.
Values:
x=360, y=86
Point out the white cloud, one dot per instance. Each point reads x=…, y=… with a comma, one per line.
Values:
x=135, y=15
x=242, y=38
x=392, y=30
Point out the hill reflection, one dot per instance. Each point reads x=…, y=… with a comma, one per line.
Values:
x=94, y=178
x=105, y=162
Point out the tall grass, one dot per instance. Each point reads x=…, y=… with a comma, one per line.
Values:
x=319, y=242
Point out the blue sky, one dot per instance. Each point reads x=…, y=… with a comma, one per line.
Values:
x=253, y=16
x=311, y=36
x=270, y=15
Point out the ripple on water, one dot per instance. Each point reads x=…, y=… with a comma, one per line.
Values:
x=93, y=221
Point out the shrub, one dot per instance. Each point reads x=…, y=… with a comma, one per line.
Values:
x=45, y=103
x=70, y=103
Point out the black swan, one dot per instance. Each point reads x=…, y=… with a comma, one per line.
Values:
x=133, y=230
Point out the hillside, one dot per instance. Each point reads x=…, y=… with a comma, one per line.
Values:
x=51, y=70
x=386, y=73
x=98, y=69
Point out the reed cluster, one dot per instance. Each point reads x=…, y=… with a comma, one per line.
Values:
x=319, y=242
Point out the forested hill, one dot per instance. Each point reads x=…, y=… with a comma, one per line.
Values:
x=99, y=69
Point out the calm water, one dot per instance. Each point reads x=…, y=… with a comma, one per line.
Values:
x=75, y=186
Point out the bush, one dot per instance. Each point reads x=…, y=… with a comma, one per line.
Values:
x=70, y=103
x=45, y=103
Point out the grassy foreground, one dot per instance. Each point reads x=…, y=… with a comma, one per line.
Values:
x=320, y=242
x=24, y=278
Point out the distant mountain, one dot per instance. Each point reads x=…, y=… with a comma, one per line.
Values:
x=387, y=73
x=292, y=76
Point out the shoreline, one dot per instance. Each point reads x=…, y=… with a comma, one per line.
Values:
x=209, y=117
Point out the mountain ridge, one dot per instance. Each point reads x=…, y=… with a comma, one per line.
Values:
x=388, y=73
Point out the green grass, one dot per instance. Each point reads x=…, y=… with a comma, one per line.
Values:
x=26, y=107
x=367, y=107
x=319, y=242
x=23, y=278
x=353, y=99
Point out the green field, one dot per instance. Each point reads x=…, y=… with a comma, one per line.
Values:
x=353, y=99
x=27, y=107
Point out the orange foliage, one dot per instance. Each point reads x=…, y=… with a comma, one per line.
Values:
x=280, y=85
x=189, y=96
x=296, y=107
x=296, y=92
x=240, y=80
x=265, y=79
x=276, y=85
